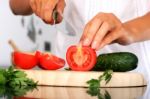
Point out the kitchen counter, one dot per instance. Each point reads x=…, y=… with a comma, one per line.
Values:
x=76, y=92
x=51, y=92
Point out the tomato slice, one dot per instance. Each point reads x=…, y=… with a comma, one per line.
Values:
x=23, y=98
x=81, y=58
x=24, y=60
x=51, y=62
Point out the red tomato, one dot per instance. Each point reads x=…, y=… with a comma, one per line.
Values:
x=23, y=98
x=51, y=62
x=25, y=60
x=81, y=58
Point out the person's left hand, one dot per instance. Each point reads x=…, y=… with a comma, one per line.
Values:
x=104, y=29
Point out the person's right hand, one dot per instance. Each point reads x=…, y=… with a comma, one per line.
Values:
x=45, y=8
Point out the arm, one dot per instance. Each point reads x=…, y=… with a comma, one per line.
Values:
x=140, y=27
x=20, y=7
x=106, y=28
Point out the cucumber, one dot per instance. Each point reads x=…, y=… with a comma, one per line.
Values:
x=118, y=61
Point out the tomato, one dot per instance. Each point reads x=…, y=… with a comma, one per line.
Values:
x=25, y=60
x=51, y=62
x=81, y=58
x=23, y=98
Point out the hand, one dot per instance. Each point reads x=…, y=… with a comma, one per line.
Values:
x=44, y=9
x=103, y=29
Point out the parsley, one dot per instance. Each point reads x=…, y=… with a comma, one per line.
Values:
x=94, y=85
x=15, y=82
x=13, y=78
x=6, y=91
x=68, y=69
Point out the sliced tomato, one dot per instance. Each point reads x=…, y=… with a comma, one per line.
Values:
x=23, y=98
x=51, y=62
x=25, y=60
x=81, y=58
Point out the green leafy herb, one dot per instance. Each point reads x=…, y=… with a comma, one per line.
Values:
x=6, y=91
x=15, y=82
x=67, y=68
x=12, y=78
x=107, y=75
x=94, y=85
x=2, y=79
x=107, y=95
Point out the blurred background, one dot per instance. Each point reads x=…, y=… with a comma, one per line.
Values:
x=29, y=33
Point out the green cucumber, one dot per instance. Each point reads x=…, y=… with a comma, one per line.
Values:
x=118, y=61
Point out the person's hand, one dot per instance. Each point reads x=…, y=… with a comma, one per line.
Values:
x=104, y=29
x=45, y=8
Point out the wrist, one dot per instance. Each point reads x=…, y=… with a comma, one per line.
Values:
x=132, y=32
x=139, y=28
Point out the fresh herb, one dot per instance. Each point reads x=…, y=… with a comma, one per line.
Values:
x=97, y=92
x=6, y=91
x=67, y=69
x=2, y=79
x=15, y=82
x=107, y=75
x=107, y=95
x=94, y=85
x=12, y=78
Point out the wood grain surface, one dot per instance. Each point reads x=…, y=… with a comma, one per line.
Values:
x=44, y=92
x=79, y=79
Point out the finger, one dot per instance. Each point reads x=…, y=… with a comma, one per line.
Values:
x=98, y=16
x=38, y=7
x=102, y=32
x=33, y=5
x=42, y=10
x=111, y=37
x=48, y=11
x=83, y=35
x=90, y=31
x=60, y=8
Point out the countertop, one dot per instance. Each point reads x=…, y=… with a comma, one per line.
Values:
x=53, y=92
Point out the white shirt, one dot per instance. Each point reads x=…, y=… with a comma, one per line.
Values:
x=79, y=12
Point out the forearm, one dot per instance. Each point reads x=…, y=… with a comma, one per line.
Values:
x=140, y=27
x=20, y=7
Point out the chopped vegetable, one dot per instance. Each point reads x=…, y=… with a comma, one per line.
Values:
x=81, y=58
x=49, y=61
x=25, y=60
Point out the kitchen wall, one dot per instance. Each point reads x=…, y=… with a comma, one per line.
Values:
x=29, y=33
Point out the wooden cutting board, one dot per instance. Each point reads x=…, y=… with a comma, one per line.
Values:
x=79, y=79
x=44, y=92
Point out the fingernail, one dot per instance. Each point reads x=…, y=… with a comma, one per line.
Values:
x=86, y=42
x=94, y=45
